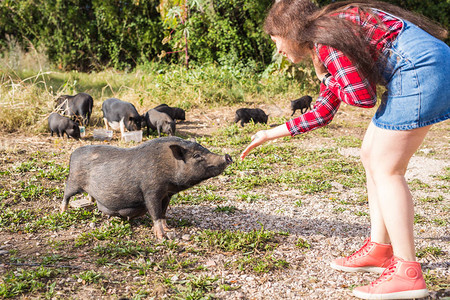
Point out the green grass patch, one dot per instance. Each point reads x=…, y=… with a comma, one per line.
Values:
x=121, y=249
x=88, y=277
x=115, y=230
x=264, y=264
x=21, y=282
x=429, y=251
x=246, y=242
x=348, y=141
x=429, y=199
x=225, y=209
x=192, y=198
x=193, y=287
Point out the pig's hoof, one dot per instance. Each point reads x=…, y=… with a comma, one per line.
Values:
x=158, y=229
x=63, y=208
x=165, y=226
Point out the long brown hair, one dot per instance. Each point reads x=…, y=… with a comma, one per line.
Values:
x=305, y=23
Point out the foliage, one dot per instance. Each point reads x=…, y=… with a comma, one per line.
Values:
x=92, y=34
x=85, y=34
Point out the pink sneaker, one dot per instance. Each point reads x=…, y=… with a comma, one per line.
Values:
x=401, y=280
x=372, y=257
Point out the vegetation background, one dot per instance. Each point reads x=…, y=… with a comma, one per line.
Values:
x=88, y=35
x=262, y=230
x=54, y=47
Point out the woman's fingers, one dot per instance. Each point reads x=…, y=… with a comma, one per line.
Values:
x=257, y=140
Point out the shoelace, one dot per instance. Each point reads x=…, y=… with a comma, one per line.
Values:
x=386, y=273
x=364, y=249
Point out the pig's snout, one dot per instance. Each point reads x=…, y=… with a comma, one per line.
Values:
x=228, y=159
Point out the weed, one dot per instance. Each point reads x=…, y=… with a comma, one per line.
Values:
x=252, y=197
x=361, y=213
x=13, y=219
x=21, y=282
x=256, y=240
x=263, y=264
x=194, y=287
x=113, y=231
x=438, y=283
x=440, y=222
x=418, y=219
x=123, y=249
x=302, y=243
x=417, y=184
x=432, y=199
x=52, y=259
x=89, y=277
x=348, y=141
x=188, y=198
x=225, y=209
x=433, y=251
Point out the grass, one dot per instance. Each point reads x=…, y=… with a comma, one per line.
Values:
x=28, y=96
x=27, y=281
x=246, y=242
x=81, y=251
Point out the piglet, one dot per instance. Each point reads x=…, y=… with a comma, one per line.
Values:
x=302, y=103
x=245, y=115
x=121, y=115
x=129, y=182
x=159, y=121
x=61, y=125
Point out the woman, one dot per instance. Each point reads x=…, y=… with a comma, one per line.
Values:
x=355, y=46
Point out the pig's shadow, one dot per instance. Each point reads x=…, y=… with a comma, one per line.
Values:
x=205, y=217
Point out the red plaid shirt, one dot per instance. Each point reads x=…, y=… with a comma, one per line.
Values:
x=346, y=84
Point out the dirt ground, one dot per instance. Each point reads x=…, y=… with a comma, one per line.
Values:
x=308, y=275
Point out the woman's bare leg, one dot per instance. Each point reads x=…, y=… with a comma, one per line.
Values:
x=378, y=232
x=385, y=155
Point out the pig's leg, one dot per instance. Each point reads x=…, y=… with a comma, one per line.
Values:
x=90, y=198
x=106, y=123
x=154, y=207
x=51, y=132
x=159, y=130
x=165, y=205
x=122, y=128
x=68, y=193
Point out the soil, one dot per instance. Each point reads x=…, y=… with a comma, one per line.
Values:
x=308, y=276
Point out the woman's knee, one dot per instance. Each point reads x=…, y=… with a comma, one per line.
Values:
x=365, y=155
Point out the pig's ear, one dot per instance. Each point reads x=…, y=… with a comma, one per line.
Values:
x=178, y=152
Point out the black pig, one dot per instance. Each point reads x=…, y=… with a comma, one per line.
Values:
x=129, y=182
x=61, y=125
x=160, y=122
x=302, y=103
x=175, y=113
x=78, y=106
x=120, y=115
x=246, y=114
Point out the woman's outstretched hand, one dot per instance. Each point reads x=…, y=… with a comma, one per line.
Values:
x=257, y=139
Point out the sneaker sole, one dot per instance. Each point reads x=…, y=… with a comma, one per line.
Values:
x=397, y=295
x=378, y=270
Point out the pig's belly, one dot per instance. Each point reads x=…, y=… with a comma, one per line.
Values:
x=123, y=211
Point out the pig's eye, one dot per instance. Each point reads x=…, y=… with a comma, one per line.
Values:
x=196, y=155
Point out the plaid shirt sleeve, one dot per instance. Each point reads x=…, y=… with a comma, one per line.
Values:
x=345, y=81
x=345, y=84
x=323, y=112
